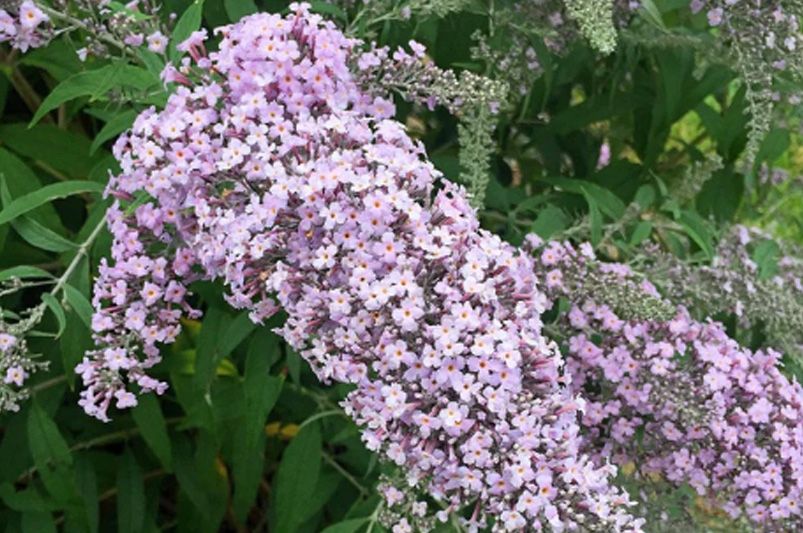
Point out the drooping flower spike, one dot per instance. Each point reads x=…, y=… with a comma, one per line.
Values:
x=271, y=170
x=681, y=399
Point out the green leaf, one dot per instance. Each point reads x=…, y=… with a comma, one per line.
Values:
x=33, y=522
x=58, y=58
x=550, y=221
x=46, y=194
x=697, y=229
x=20, y=181
x=772, y=147
x=766, y=256
x=645, y=196
x=235, y=333
x=327, y=8
x=346, y=526
x=67, y=152
x=23, y=500
x=297, y=478
x=130, y=495
x=207, y=356
x=50, y=453
x=607, y=202
x=58, y=311
x=118, y=124
x=237, y=9
x=129, y=13
x=189, y=22
x=39, y=236
x=33, y=232
x=95, y=83
x=74, y=343
x=642, y=230
x=651, y=13
x=261, y=393
x=87, y=483
x=24, y=272
x=595, y=217
x=153, y=427
x=79, y=304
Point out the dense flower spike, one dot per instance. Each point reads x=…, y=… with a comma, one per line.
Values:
x=17, y=363
x=763, y=39
x=681, y=399
x=766, y=294
x=272, y=170
x=25, y=26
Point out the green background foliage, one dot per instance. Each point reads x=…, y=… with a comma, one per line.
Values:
x=245, y=438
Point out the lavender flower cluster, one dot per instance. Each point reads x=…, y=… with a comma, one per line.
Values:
x=17, y=363
x=769, y=295
x=271, y=170
x=24, y=25
x=679, y=398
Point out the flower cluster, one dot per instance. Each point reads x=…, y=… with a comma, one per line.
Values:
x=681, y=399
x=764, y=40
x=17, y=363
x=474, y=99
x=271, y=170
x=751, y=277
x=109, y=27
x=24, y=25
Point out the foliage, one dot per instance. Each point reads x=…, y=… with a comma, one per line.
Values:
x=652, y=131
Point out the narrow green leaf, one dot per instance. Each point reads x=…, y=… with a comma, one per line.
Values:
x=153, y=427
x=346, y=526
x=327, y=8
x=118, y=124
x=237, y=9
x=87, y=483
x=766, y=256
x=48, y=193
x=651, y=13
x=20, y=181
x=698, y=231
x=297, y=478
x=23, y=500
x=24, y=272
x=153, y=62
x=79, y=304
x=33, y=522
x=595, y=216
x=66, y=151
x=773, y=146
x=607, y=202
x=74, y=343
x=261, y=393
x=642, y=230
x=207, y=355
x=58, y=311
x=51, y=454
x=95, y=83
x=189, y=22
x=235, y=333
x=550, y=220
x=130, y=495
x=39, y=236
x=33, y=232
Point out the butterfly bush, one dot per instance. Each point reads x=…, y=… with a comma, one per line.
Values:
x=271, y=170
x=735, y=283
x=763, y=39
x=681, y=399
x=25, y=26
